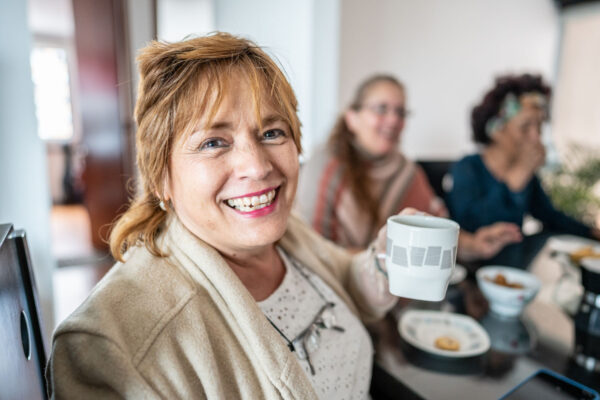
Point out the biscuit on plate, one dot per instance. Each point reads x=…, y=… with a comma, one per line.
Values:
x=447, y=343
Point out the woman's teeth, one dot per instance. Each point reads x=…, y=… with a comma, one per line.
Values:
x=252, y=203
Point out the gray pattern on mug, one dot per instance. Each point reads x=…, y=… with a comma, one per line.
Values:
x=400, y=256
x=433, y=255
x=417, y=254
x=446, y=259
x=388, y=247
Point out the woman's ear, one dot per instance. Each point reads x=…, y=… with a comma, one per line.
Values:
x=351, y=119
x=166, y=194
x=499, y=134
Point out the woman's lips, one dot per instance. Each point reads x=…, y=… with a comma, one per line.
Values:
x=253, y=202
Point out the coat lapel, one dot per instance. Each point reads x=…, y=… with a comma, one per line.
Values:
x=245, y=319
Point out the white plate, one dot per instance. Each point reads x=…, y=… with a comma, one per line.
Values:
x=421, y=328
x=458, y=274
x=570, y=243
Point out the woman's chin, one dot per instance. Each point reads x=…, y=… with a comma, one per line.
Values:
x=260, y=232
x=386, y=149
x=258, y=240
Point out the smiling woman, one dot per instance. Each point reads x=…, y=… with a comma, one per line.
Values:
x=235, y=159
x=219, y=291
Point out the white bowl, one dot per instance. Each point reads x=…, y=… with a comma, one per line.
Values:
x=507, y=301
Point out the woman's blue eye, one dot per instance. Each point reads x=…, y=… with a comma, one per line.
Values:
x=273, y=133
x=212, y=143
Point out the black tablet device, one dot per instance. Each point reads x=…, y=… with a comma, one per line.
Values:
x=549, y=385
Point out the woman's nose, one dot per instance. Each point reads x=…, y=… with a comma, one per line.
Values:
x=252, y=161
x=393, y=119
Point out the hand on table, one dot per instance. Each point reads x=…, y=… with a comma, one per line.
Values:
x=487, y=240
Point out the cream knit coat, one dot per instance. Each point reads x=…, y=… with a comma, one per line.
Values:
x=184, y=326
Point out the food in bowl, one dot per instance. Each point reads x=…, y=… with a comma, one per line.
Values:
x=504, y=300
x=500, y=279
x=583, y=252
x=447, y=343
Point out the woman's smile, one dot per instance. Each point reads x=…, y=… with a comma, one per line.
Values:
x=251, y=203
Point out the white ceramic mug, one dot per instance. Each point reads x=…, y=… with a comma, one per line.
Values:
x=420, y=255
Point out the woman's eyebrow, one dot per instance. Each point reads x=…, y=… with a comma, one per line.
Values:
x=270, y=119
x=203, y=131
x=220, y=125
x=226, y=125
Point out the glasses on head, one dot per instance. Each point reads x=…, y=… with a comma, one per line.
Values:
x=383, y=109
x=309, y=339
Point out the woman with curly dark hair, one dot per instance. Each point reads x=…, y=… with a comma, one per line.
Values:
x=500, y=183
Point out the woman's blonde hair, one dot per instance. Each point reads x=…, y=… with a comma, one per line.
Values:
x=341, y=144
x=179, y=84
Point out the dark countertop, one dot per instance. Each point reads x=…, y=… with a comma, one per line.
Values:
x=543, y=337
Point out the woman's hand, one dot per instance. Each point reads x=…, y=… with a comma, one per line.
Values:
x=530, y=158
x=487, y=241
x=373, y=272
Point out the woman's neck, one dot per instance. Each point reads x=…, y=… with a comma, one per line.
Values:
x=366, y=156
x=497, y=161
x=260, y=272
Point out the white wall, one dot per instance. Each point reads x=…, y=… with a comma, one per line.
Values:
x=284, y=29
x=326, y=72
x=447, y=53
x=24, y=199
x=576, y=111
x=303, y=36
x=140, y=16
x=177, y=19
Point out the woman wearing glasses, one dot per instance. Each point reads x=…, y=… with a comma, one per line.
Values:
x=356, y=181
x=500, y=183
x=219, y=291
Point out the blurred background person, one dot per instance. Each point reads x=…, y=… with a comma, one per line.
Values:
x=500, y=182
x=351, y=185
x=219, y=292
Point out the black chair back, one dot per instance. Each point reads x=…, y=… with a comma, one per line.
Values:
x=438, y=174
x=22, y=354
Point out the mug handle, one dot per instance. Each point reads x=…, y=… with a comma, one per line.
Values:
x=380, y=263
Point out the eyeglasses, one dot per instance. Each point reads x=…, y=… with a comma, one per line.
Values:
x=383, y=109
x=309, y=339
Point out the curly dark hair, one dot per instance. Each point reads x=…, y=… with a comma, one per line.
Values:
x=492, y=101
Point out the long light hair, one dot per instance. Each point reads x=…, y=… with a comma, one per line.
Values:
x=342, y=144
x=179, y=84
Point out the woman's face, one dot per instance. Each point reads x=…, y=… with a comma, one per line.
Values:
x=525, y=127
x=232, y=183
x=378, y=124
